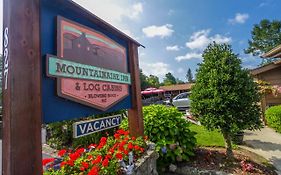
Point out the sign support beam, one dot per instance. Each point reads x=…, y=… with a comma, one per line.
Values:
x=22, y=149
x=135, y=116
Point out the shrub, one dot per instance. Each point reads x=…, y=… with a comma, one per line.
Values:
x=60, y=134
x=169, y=131
x=107, y=157
x=224, y=96
x=273, y=117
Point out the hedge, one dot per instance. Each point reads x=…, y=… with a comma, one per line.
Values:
x=273, y=117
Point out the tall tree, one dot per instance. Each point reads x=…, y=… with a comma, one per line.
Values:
x=169, y=79
x=225, y=96
x=153, y=81
x=143, y=80
x=265, y=36
x=189, y=76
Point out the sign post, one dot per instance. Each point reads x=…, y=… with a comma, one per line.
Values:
x=21, y=89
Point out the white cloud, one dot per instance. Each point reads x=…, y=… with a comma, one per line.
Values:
x=188, y=56
x=200, y=39
x=137, y=10
x=173, y=48
x=159, y=69
x=161, y=31
x=114, y=12
x=240, y=18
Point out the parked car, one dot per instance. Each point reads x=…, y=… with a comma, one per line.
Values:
x=182, y=100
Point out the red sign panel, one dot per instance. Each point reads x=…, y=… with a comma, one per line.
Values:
x=81, y=52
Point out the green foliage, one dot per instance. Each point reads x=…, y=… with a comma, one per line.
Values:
x=60, y=134
x=189, y=76
x=143, y=81
x=273, y=117
x=169, y=79
x=265, y=36
x=166, y=127
x=153, y=81
x=224, y=96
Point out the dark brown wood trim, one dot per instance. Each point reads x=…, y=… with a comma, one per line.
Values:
x=22, y=149
x=135, y=115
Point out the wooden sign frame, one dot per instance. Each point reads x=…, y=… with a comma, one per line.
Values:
x=22, y=91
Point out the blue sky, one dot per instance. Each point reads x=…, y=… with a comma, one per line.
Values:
x=176, y=32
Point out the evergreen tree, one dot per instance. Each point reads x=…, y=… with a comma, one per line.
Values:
x=265, y=36
x=169, y=79
x=225, y=96
x=189, y=76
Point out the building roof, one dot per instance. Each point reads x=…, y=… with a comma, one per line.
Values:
x=266, y=68
x=273, y=53
x=177, y=87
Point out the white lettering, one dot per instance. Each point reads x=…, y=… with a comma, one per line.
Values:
x=90, y=128
x=102, y=125
x=96, y=128
x=6, y=56
x=82, y=129
x=108, y=123
x=114, y=123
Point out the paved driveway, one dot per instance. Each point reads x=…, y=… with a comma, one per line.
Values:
x=266, y=143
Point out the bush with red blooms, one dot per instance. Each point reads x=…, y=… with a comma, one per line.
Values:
x=102, y=158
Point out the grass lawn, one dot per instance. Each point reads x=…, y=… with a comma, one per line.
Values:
x=207, y=138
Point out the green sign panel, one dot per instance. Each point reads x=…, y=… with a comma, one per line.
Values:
x=69, y=69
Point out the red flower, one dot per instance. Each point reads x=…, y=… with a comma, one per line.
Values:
x=90, y=157
x=74, y=156
x=119, y=156
x=103, y=139
x=108, y=156
x=130, y=145
x=97, y=160
x=105, y=162
x=62, y=152
x=80, y=150
x=47, y=160
x=121, y=148
x=142, y=150
x=70, y=163
x=94, y=171
x=63, y=164
x=116, y=136
x=111, y=150
x=122, y=132
x=126, y=152
x=85, y=165
x=133, y=138
x=137, y=147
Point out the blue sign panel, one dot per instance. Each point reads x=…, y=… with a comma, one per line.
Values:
x=58, y=102
x=88, y=127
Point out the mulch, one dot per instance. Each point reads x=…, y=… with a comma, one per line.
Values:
x=215, y=159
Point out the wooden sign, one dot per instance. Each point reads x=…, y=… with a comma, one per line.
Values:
x=84, y=128
x=90, y=68
x=86, y=66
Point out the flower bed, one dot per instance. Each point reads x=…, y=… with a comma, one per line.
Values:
x=112, y=155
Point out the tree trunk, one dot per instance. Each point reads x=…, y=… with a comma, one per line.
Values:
x=228, y=146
